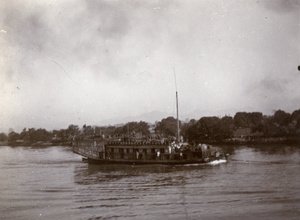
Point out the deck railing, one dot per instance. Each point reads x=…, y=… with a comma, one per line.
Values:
x=96, y=150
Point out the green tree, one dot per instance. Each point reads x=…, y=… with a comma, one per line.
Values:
x=167, y=126
x=225, y=128
x=32, y=135
x=188, y=130
x=62, y=135
x=296, y=117
x=13, y=137
x=185, y=127
x=282, y=118
x=110, y=131
x=24, y=135
x=208, y=127
x=42, y=135
x=241, y=120
x=3, y=137
x=72, y=130
x=136, y=127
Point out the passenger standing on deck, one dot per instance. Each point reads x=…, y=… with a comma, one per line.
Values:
x=167, y=154
x=158, y=154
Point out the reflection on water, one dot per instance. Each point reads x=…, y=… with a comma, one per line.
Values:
x=53, y=183
x=107, y=173
x=147, y=191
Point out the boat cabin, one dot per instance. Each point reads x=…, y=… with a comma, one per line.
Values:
x=135, y=151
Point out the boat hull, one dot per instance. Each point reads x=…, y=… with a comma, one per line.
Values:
x=140, y=155
x=145, y=162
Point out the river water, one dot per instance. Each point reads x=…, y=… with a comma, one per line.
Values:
x=53, y=183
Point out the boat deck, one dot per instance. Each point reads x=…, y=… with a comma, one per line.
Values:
x=97, y=157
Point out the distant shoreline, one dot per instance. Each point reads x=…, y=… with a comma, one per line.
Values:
x=39, y=144
x=232, y=141
x=256, y=141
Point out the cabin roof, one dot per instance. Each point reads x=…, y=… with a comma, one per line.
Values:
x=137, y=146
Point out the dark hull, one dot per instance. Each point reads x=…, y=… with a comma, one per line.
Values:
x=145, y=162
x=92, y=159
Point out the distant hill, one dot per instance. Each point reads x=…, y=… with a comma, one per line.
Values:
x=153, y=116
x=149, y=117
x=197, y=114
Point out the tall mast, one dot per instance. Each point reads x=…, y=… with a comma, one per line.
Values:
x=178, y=135
x=178, y=132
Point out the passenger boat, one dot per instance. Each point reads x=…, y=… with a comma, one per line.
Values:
x=132, y=151
x=112, y=152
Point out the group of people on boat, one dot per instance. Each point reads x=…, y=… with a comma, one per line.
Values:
x=138, y=142
x=145, y=150
x=175, y=151
x=131, y=148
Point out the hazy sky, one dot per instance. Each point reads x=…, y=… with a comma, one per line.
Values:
x=84, y=62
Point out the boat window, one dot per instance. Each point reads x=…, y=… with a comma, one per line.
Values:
x=121, y=150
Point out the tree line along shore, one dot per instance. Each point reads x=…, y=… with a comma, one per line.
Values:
x=244, y=127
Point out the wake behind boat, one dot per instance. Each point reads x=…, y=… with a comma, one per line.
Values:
x=147, y=152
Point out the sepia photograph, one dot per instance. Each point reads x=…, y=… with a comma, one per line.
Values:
x=158, y=109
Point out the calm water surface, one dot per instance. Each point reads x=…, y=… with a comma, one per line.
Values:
x=53, y=183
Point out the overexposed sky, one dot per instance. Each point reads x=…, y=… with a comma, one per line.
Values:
x=85, y=62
